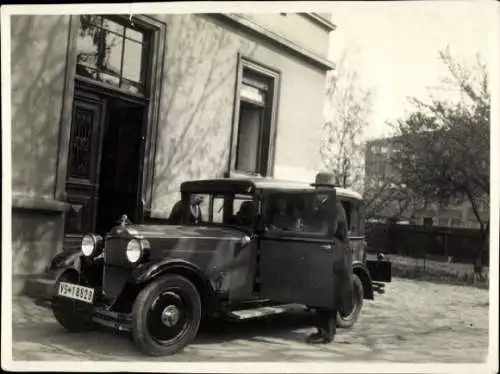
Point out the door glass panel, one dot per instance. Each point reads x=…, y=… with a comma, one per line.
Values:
x=88, y=47
x=113, y=53
x=218, y=212
x=231, y=209
x=113, y=26
x=134, y=35
x=80, y=142
x=105, y=46
x=133, y=57
x=306, y=213
x=354, y=220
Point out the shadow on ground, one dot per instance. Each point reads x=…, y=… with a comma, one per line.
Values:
x=109, y=344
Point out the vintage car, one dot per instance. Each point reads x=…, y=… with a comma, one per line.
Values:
x=259, y=247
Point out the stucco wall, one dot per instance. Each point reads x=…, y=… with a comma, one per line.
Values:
x=36, y=238
x=38, y=59
x=198, y=99
x=38, y=56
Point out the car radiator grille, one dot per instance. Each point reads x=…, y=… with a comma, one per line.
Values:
x=115, y=252
x=116, y=266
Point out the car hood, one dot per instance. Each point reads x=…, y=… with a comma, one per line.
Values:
x=179, y=232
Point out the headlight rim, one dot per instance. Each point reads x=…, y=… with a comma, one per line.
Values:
x=96, y=239
x=141, y=250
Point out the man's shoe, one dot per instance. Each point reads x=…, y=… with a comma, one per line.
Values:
x=317, y=338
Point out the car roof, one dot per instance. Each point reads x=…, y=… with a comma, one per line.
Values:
x=251, y=184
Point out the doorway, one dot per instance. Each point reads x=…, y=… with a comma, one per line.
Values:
x=119, y=179
x=104, y=165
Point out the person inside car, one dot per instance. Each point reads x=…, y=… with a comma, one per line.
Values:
x=286, y=216
x=247, y=213
x=178, y=213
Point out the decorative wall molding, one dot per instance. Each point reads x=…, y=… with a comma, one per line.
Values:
x=43, y=204
x=320, y=20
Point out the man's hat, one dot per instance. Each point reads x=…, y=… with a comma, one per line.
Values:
x=324, y=179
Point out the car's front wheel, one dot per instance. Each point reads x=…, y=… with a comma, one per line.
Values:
x=347, y=319
x=166, y=315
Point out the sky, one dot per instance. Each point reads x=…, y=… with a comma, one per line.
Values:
x=394, y=47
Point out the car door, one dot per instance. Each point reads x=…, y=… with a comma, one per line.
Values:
x=298, y=265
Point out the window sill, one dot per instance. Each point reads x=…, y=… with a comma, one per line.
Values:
x=241, y=174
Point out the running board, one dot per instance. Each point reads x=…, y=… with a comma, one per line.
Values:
x=266, y=311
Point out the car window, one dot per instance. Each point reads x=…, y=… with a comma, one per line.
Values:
x=300, y=213
x=200, y=203
x=361, y=216
x=351, y=215
x=354, y=219
x=229, y=209
x=245, y=211
x=218, y=209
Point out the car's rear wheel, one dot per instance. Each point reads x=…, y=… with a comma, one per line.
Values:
x=64, y=309
x=347, y=319
x=166, y=315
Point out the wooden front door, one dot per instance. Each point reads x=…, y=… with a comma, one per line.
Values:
x=119, y=179
x=82, y=185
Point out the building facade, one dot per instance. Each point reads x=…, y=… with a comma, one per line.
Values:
x=110, y=114
x=381, y=175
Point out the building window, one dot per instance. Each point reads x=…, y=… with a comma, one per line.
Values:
x=112, y=51
x=254, y=129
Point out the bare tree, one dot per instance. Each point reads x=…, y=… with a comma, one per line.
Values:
x=446, y=143
x=348, y=106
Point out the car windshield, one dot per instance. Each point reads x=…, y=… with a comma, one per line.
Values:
x=226, y=209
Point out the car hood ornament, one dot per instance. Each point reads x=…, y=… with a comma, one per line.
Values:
x=123, y=221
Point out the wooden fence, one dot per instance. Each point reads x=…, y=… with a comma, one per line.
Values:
x=436, y=243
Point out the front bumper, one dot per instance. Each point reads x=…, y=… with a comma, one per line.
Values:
x=43, y=290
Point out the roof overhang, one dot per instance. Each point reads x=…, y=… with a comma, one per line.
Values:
x=272, y=37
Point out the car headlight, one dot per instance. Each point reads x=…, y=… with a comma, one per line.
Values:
x=90, y=245
x=134, y=250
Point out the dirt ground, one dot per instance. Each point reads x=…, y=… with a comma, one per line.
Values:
x=413, y=322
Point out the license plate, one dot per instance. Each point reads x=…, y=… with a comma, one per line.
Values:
x=76, y=292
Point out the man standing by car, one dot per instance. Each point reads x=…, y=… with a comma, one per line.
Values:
x=326, y=319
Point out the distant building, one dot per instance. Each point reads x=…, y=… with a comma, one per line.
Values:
x=380, y=174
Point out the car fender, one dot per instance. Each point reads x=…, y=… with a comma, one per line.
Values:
x=149, y=271
x=362, y=272
x=70, y=259
x=43, y=287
